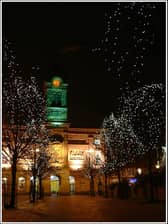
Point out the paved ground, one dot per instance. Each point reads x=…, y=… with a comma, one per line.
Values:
x=85, y=208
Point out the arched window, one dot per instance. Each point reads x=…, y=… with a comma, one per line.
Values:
x=54, y=184
x=72, y=184
x=54, y=178
x=21, y=183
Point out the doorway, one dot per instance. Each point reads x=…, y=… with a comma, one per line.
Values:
x=54, y=185
x=72, y=184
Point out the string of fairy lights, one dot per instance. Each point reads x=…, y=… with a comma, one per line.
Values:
x=138, y=125
x=24, y=115
x=129, y=36
x=145, y=110
x=20, y=92
x=139, y=128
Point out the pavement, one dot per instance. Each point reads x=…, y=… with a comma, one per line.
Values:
x=77, y=208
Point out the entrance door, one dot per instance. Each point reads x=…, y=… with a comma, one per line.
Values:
x=54, y=184
x=72, y=184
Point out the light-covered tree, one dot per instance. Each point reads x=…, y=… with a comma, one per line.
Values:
x=121, y=144
x=145, y=110
x=91, y=168
x=38, y=160
x=89, y=171
x=137, y=130
x=23, y=110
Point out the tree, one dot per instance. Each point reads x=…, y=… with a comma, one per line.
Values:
x=137, y=130
x=23, y=109
x=38, y=160
x=89, y=171
x=121, y=146
x=43, y=169
x=144, y=108
x=121, y=143
x=91, y=168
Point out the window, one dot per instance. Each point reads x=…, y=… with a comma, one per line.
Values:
x=21, y=183
x=56, y=100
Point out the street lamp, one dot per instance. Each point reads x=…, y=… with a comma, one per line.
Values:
x=139, y=171
x=157, y=165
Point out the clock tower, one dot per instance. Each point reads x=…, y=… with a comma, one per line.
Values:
x=56, y=102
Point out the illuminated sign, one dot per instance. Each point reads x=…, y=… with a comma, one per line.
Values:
x=76, y=158
x=76, y=155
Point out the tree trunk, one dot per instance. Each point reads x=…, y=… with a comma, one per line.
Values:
x=119, y=177
x=151, y=188
x=119, y=190
x=13, y=185
x=105, y=185
x=92, y=186
x=34, y=189
x=40, y=188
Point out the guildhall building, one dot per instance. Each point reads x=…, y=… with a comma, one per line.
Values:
x=69, y=148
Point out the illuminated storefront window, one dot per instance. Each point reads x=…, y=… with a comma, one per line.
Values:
x=21, y=183
x=4, y=180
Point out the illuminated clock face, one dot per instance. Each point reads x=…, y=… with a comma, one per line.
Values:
x=56, y=83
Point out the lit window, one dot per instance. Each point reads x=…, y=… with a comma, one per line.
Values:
x=21, y=183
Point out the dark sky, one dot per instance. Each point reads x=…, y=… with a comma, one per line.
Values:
x=59, y=37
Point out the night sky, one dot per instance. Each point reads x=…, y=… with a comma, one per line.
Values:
x=77, y=42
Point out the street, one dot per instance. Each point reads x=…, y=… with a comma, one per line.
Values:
x=77, y=208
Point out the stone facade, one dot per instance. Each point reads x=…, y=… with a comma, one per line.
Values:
x=71, y=149
x=68, y=159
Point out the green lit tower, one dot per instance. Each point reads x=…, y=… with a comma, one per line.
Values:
x=57, y=102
